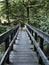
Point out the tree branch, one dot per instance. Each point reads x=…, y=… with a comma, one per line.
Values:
x=31, y=6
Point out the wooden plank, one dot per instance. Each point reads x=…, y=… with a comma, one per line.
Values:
x=22, y=54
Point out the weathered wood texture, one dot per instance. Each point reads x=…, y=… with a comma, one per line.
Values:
x=23, y=52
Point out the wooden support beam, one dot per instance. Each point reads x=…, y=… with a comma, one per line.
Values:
x=36, y=40
x=6, y=47
x=31, y=6
x=41, y=46
x=32, y=35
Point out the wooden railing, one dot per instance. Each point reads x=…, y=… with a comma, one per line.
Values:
x=5, y=37
x=43, y=60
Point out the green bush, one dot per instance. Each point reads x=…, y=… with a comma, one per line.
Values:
x=15, y=22
x=2, y=28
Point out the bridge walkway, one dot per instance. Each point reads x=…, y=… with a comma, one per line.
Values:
x=23, y=51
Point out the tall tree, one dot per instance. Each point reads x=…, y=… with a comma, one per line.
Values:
x=7, y=10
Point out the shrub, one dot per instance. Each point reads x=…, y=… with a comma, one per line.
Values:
x=2, y=28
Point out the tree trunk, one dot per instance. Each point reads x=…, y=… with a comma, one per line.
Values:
x=7, y=11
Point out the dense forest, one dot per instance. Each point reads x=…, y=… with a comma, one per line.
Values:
x=35, y=12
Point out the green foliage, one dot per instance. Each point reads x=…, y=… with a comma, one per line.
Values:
x=38, y=15
x=15, y=22
x=2, y=28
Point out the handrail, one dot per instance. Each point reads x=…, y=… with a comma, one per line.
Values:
x=38, y=48
x=7, y=33
x=42, y=55
x=42, y=34
x=8, y=49
x=5, y=37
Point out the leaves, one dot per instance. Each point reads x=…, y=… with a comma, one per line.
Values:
x=38, y=15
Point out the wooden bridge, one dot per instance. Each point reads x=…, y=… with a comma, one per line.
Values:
x=22, y=48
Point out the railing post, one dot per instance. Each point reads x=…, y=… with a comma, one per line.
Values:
x=15, y=31
x=36, y=40
x=32, y=35
x=12, y=35
x=6, y=46
x=30, y=32
x=47, y=51
x=41, y=46
x=41, y=43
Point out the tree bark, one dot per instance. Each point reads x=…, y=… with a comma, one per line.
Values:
x=7, y=11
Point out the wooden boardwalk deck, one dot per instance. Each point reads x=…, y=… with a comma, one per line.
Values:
x=22, y=53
